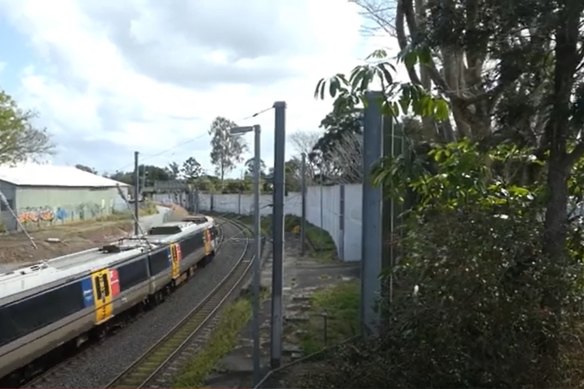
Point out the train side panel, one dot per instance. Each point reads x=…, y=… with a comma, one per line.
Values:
x=133, y=284
x=159, y=263
x=35, y=326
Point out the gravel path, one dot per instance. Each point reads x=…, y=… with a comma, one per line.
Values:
x=104, y=362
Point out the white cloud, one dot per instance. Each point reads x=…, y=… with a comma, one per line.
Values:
x=117, y=76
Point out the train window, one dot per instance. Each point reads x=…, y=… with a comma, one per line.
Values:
x=159, y=262
x=105, y=285
x=97, y=288
x=132, y=274
x=7, y=329
x=190, y=245
x=25, y=316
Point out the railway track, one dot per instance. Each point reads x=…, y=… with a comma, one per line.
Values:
x=63, y=370
x=143, y=371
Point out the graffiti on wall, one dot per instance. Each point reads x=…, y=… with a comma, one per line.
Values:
x=48, y=215
x=42, y=214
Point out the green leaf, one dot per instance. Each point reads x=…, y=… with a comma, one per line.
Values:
x=411, y=58
x=377, y=54
x=425, y=55
x=441, y=109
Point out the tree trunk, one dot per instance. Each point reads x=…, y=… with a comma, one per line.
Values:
x=222, y=177
x=559, y=166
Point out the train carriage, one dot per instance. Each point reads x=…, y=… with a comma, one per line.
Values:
x=60, y=302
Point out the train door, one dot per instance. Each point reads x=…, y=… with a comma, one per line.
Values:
x=102, y=295
x=208, y=241
x=175, y=257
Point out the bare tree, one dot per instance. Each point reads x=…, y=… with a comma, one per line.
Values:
x=344, y=161
x=303, y=142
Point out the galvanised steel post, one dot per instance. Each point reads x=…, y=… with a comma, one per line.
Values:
x=278, y=233
x=303, y=222
x=371, y=238
x=257, y=259
x=136, y=193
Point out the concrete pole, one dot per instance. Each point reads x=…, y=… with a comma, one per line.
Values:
x=371, y=238
x=321, y=204
x=342, y=222
x=278, y=234
x=303, y=221
x=136, y=193
x=257, y=258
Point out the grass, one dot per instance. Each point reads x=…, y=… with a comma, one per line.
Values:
x=320, y=243
x=222, y=341
x=341, y=303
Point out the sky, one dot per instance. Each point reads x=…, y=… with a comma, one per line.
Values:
x=111, y=77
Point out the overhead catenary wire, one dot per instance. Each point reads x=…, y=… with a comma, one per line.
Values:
x=146, y=157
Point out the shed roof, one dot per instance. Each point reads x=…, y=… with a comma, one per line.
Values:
x=52, y=175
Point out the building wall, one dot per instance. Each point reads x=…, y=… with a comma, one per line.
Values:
x=39, y=205
x=8, y=222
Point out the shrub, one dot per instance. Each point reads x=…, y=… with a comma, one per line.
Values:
x=472, y=286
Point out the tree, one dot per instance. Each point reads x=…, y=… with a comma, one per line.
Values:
x=226, y=149
x=337, y=152
x=512, y=72
x=304, y=142
x=19, y=140
x=293, y=169
x=150, y=174
x=191, y=169
x=344, y=159
x=250, y=166
x=173, y=170
x=125, y=177
x=483, y=56
x=86, y=168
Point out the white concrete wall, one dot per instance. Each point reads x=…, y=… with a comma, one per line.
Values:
x=348, y=242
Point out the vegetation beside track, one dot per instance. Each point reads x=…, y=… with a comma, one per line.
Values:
x=319, y=242
x=340, y=302
x=224, y=337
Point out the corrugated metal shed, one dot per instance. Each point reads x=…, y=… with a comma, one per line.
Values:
x=51, y=175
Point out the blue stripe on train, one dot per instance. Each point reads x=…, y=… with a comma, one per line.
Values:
x=87, y=288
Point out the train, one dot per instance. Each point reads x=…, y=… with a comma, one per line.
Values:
x=63, y=302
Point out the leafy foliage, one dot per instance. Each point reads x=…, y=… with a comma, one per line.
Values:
x=86, y=168
x=191, y=169
x=226, y=149
x=397, y=98
x=149, y=173
x=250, y=167
x=173, y=170
x=469, y=285
x=19, y=140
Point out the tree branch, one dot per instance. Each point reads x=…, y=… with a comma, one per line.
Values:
x=403, y=41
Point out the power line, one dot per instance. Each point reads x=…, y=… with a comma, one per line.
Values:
x=191, y=140
x=173, y=148
x=257, y=113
